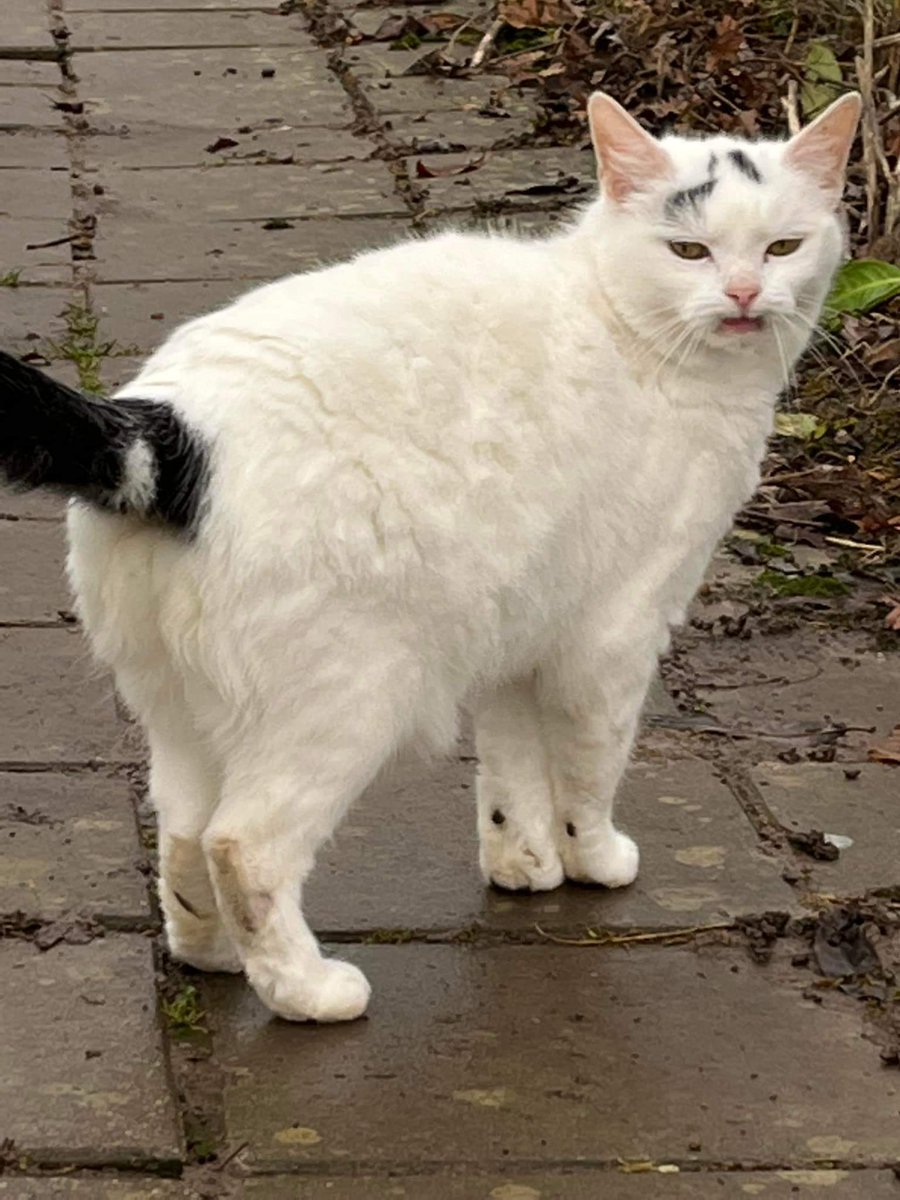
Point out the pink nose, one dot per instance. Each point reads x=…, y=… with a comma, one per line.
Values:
x=744, y=296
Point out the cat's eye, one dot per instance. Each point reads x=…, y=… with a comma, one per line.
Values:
x=692, y=250
x=784, y=246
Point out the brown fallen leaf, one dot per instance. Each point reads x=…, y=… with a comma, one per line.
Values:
x=425, y=172
x=892, y=620
x=887, y=751
x=536, y=14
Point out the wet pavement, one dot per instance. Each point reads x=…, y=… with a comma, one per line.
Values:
x=684, y=1038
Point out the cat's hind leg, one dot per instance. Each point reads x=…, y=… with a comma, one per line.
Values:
x=185, y=784
x=287, y=783
x=516, y=825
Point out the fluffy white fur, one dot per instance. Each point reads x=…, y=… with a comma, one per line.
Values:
x=468, y=470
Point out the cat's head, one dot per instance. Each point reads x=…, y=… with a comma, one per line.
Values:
x=720, y=241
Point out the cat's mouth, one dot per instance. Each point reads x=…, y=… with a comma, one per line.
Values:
x=741, y=324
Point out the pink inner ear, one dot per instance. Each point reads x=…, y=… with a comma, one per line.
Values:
x=629, y=158
x=822, y=149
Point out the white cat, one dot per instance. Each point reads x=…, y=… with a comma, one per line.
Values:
x=469, y=470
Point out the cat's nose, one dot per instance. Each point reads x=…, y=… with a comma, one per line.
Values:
x=743, y=295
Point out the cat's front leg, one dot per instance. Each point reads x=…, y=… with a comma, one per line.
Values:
x=591, y=700
x=517, y=843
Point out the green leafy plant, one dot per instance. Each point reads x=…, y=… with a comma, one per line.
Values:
x=863, y=285
x=184, y=1011
x=822, y=80
x=11, y=278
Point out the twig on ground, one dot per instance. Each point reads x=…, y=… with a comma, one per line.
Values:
x=791, y=107
x=624, y=939
x=486, y=42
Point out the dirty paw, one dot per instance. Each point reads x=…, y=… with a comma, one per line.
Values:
x=611, y=859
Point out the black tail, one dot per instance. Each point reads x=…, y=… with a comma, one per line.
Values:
x=125, y=455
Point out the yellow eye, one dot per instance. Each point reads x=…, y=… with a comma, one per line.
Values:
x=784, y=246
x=689, y=249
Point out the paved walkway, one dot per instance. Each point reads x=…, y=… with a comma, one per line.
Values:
x=724, y=1028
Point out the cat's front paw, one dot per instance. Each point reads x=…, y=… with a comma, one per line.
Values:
x=519, y=865
x=611, y=859
x=326, y=990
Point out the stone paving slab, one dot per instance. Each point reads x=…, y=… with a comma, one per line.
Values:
x=41, y=506
x=866, y=808
x=428, y=132
x=69, y=843
x=116, y=372
x=807, y=680
x=29, y=149
x=83, y=1080
x=23, y=247
x=30, y=316
x=380, y=72
x=265, y=144
x=144, y=314
x=406, y=857
x=37, y=193
x=247, y=193
x=15, y=72
x=163, y=88
x=588, y=1185
x=76, y=6
x=512, y=1053
x=33, y=584
x=154, y=30
x=25, y=26
x=105, y=1187
x=519, y=177
x=29, y=107
x=56, y=707
x=131, y=247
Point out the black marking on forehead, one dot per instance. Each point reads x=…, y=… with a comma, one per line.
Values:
x=713, y=163
x=691, y=197
x=745, y=165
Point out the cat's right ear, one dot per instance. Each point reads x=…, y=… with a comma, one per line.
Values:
x=628, y=159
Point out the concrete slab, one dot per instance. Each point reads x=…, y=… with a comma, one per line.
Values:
x=587, y=1185
x=144, y=314
x=477, y=1056
x=865, y=808
x=33, y=585
x=37, y=193
x=102, y=1187
x=26, y=25
x=116, y=372
x=406, y=857
x=70, y=843
x=36, y=506
x=30, y=107
x=430, y=132
x=264, y=145
x=515, y=177
x=82, y=1070
x=777, y=683
x=131, y=247
x=167, y=5
x=38, y=249
x=154, y=30
x=55, y=707
x=30, y=317
x=182, y=89
x=228, y=194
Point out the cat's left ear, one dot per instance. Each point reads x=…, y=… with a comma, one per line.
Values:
x=822, y=148
x=628, y=158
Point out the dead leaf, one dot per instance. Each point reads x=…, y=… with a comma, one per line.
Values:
x=728, y=42
x=537, y=14
x=887, y=751
x=424, y=171
x=221, y=143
